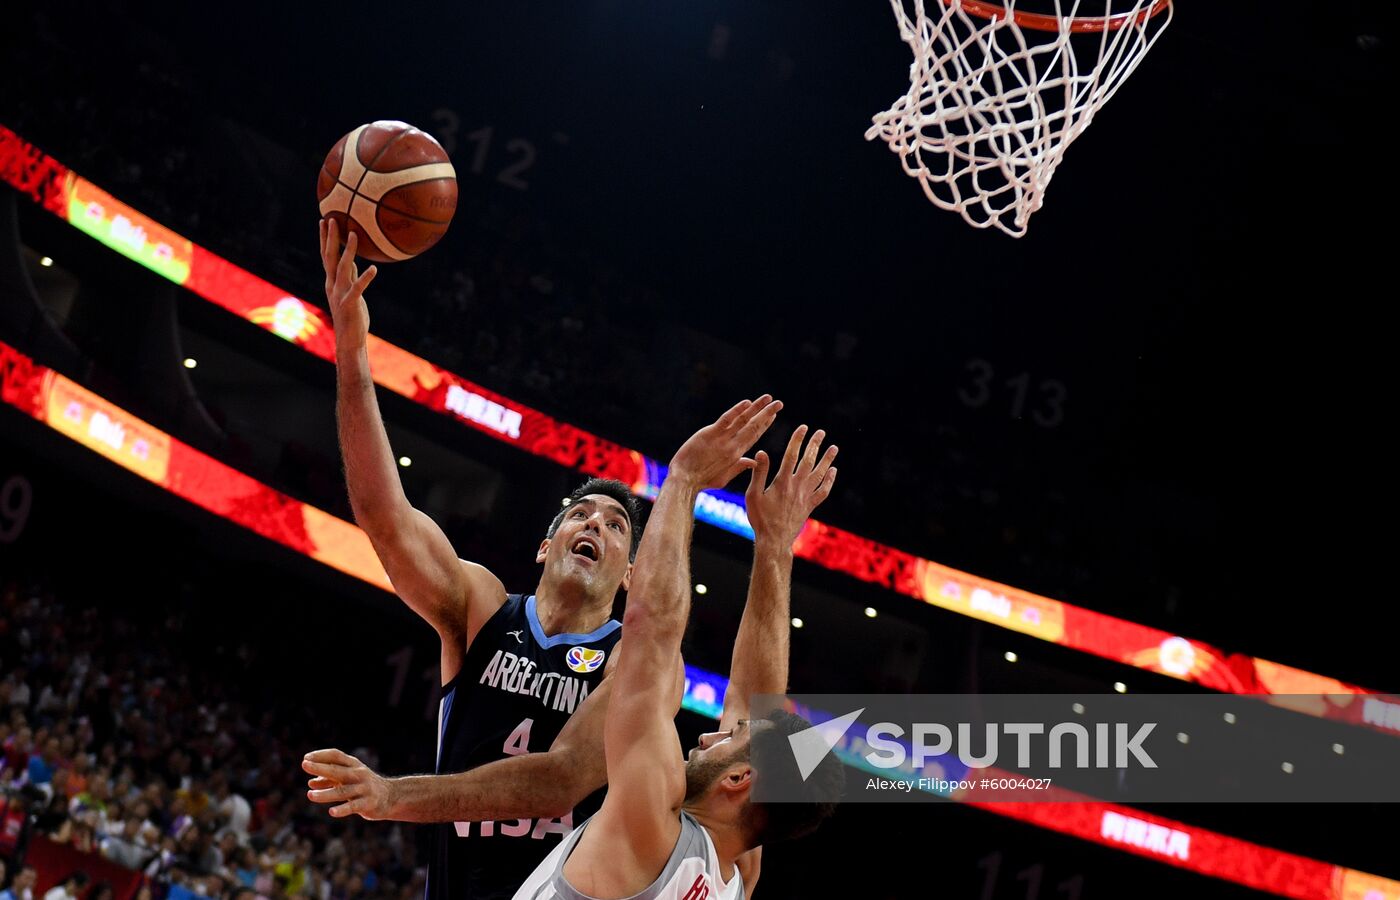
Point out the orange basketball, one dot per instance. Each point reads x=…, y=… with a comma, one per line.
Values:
x=393, y=186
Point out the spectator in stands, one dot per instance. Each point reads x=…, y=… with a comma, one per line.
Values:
x=163, y=862
x=23, y=887
x=244, y=868
x=71, y=888
x=18, y=745
x=12, y=822
x=83, y=836
x=96, y=791
x=56, y=699
x=224, y=851
x=207, y=858
x=232, y=806
x=78, y=776
x=42, y=764
x=67, y=743
x=18, y=688
x=292, y=871
x=128, y=849
x=52, y=815
x=193, y=796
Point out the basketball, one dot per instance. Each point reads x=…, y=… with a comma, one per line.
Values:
x=393, y=186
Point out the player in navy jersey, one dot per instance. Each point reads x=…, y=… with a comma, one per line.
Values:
x=525, y=677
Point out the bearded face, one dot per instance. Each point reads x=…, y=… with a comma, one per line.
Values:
x=701, y=772
x=713, y=757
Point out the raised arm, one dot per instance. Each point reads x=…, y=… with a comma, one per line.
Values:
x=455, y=597
x=628, y=842
x=777, y=513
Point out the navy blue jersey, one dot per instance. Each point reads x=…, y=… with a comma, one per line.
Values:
x=515, y=691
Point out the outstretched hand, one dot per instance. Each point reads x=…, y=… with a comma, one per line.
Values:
x=345, y=285
x=778, y=512
x=712, y=456
x=341, y=779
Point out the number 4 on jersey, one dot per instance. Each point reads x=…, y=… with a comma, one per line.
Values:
x=518, y=743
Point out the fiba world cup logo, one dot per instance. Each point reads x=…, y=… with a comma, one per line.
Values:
x=585, y=660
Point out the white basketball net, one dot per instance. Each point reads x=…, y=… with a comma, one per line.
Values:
x=992, y=106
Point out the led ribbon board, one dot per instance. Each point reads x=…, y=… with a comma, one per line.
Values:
x=71, y=197
x=137, y=446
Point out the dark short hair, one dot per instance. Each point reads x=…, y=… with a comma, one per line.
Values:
x=775, y=765
x=614, y=490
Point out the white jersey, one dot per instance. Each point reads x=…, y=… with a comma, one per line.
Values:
x=692, y=872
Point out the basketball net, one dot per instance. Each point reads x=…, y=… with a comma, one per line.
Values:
x=996, y=96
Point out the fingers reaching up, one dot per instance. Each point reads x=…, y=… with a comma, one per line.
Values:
x=345, y=284
x=804, y=479
x=715, y=454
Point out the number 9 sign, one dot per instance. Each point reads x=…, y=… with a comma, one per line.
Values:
x=16, y=499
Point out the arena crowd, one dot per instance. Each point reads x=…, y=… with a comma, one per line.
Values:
x=132, y=744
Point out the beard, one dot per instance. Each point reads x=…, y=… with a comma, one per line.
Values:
x=701, y=774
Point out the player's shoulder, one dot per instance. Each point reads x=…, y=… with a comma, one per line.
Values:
x=484, y=595
x=484, y=590
x=511, y=609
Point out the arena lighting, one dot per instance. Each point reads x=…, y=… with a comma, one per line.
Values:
x=1183, y=737
x=138, y=237
x=1229, y=718
x=405, y=461
x=796, y=622
x=1120, y=687
x=68, y=408
x=1010, y=656
x=701, y=589
x=46, y=261
x=77, y=413
x=1338, y=749
x=870, y=612
x=191, y=362
x=1288, y=768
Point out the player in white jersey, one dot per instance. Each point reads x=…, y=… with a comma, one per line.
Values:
x=684, y=828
